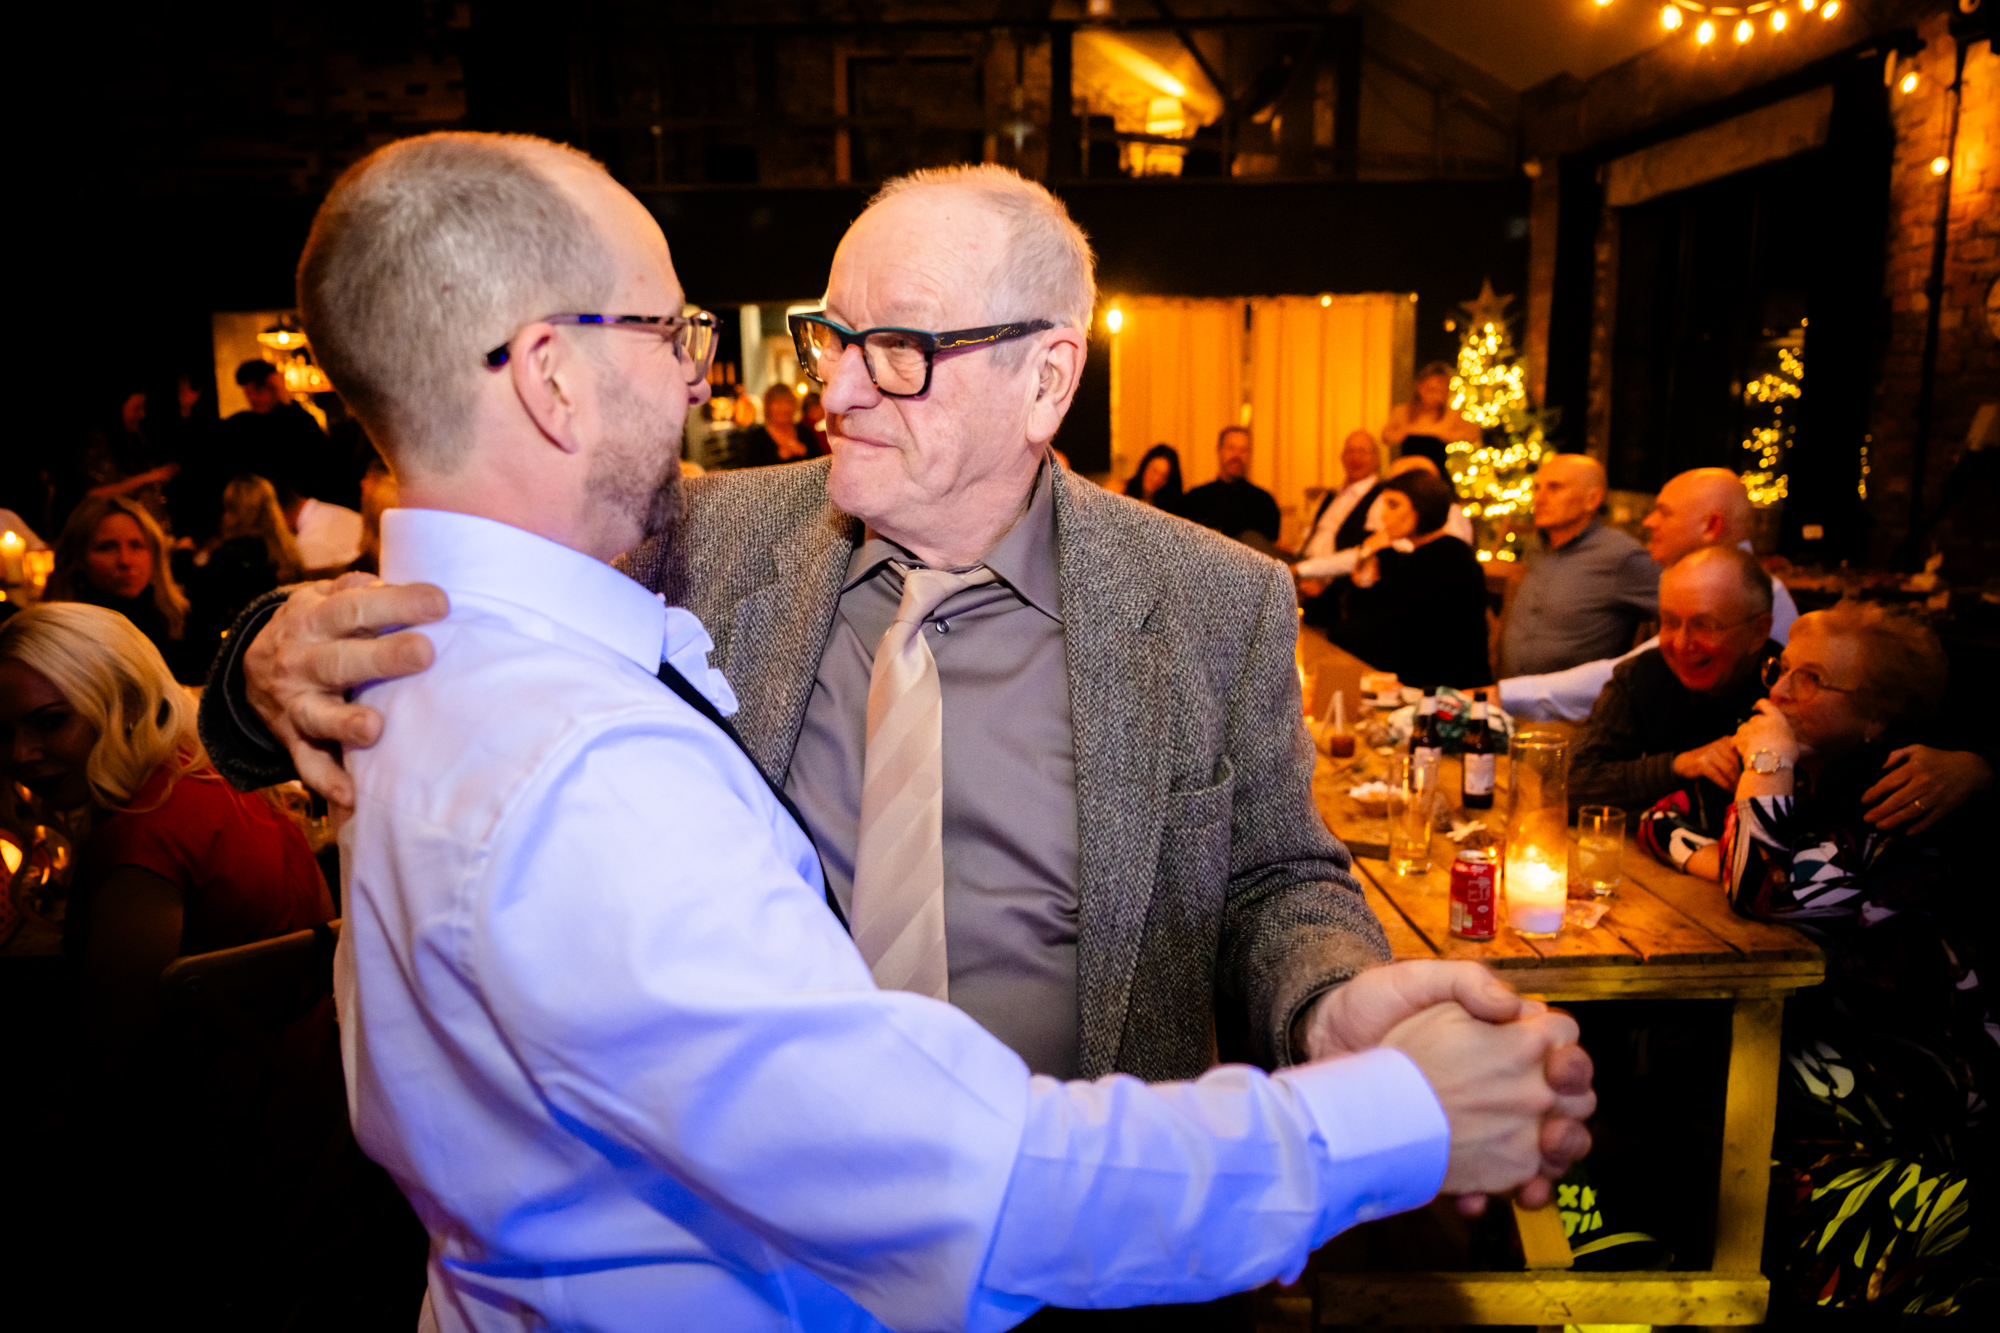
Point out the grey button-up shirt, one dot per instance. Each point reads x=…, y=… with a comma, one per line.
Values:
x=1010, y=836
x=1579, y=602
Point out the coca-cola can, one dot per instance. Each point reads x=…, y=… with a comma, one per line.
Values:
x=1475, y=892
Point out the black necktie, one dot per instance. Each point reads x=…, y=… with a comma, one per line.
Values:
x=671, y=677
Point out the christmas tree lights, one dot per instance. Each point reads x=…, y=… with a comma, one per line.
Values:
x=1495, y=477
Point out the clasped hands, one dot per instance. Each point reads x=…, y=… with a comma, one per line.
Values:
x=1512, y=1080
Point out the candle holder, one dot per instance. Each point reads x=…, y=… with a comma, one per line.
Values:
x=1537, y=864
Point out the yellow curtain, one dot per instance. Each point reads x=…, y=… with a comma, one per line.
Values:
x=1176, y=378
x=1316, y=368
x=1322, y=366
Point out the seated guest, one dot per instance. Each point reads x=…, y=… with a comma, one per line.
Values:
x=1888, y=1076
x=1456, y=523
x=112, y=554
x=1705, y=507
x=1424, y=614
x=1340, y=524
x=1587, y=588
x=781, y=439
x=176, y=860
x=254, y=553
x=1158, y=479
x=1232, y=504
x=1666, y=722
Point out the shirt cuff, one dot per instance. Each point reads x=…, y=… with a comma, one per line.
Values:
x=1384, y=1136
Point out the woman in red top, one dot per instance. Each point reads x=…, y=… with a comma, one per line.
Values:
x=172, y=860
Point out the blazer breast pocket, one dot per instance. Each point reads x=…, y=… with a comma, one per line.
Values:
x=1193, y=883
x=1201, y=806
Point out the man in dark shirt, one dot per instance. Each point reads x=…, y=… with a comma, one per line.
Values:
x=1668, y=719
x=1587, y=588
x=276, y=439
x=1232, y=504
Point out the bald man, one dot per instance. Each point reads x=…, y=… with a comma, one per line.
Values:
x=1587, y=588
x=1705, y=507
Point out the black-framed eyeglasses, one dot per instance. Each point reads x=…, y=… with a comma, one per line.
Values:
x=1806, y=682
x=693, y=336
x=898, y=360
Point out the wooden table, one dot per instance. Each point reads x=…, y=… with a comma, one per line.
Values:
x=1666, y=936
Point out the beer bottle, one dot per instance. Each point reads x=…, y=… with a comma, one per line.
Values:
x=1481, y=750
x=1425, y=742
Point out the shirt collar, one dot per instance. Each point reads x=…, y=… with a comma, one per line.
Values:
x=1024, y=558
x=463, y=553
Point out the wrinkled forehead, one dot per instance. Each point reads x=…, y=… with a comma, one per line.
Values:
x=926, y=258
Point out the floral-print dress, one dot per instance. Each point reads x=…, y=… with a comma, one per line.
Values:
x=1885, y=1135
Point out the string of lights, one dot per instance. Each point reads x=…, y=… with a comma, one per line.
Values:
x=1708, y=22
x=1495, y=478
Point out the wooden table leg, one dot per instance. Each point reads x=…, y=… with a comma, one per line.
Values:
x=1749, y=1119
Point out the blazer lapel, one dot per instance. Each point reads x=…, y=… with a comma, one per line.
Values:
x=1119, y=692
x=778, y=632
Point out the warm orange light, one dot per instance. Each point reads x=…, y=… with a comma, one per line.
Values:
x=1744, y=31
x=1670, y=18
x=1778, y=20
x=1829, y=9
x=1909, y=83
x=1705, y=33
x=1114, y=319
x=1940, y=165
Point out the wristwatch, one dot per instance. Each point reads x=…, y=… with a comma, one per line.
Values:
x=1767, y=761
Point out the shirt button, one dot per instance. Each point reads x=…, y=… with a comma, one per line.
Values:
x=942, y=626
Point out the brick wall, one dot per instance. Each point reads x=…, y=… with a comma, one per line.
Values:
x=1968, y=356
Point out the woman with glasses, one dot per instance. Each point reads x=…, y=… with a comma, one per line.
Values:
x=1885, y=1140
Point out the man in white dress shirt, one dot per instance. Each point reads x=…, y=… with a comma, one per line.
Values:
x=599, y=1019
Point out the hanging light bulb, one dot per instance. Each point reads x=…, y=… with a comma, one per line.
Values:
x=1909, y=84
x=1705, y=33
x=1778, y=20
x=1829, y=9
x=1806, y=5
x=1670, y=18
x=1114, y=319
x=1744, y=31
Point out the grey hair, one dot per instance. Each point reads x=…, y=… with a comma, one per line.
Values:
x=1750, y=574
x=428, y=253
x=1050, y=272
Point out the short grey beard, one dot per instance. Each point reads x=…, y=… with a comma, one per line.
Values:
x=627, y=480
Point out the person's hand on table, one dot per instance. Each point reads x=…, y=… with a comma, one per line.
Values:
x=1718, y=761
x=1507, y=1131
x=1921, y=785
x=1362, y=1013
x=322, y=643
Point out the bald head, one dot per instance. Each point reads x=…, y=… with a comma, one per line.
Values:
x=1705, y=507
x=1569, y=488
x=1715, y=616
x=430, y=252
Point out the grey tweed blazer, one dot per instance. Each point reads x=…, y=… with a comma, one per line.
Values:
x=1209, y=885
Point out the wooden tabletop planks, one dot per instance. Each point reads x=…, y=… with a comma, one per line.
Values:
x=1658, y=921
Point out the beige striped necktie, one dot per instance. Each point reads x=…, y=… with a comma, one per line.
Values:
x=898, y=908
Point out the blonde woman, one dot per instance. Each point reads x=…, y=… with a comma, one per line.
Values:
x=251, y=512
x=172, y=860
x=113, y=554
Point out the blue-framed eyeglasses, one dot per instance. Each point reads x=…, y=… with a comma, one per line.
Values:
x=693, y=336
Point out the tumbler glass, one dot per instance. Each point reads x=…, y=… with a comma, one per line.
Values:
x=1413, y=799
x=1600, y=846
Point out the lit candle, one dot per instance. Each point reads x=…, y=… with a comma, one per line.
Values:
x=1537, y=891
x=12, y=546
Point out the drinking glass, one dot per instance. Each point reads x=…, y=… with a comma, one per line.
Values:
x=1537, y=864
x=1413, y=798
x=1600, y=845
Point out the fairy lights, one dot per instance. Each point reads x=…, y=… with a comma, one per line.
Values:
x=1495, y=478
x=1740, y=18
x=1767, y=445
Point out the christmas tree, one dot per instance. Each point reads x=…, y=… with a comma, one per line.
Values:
x=1495, y=478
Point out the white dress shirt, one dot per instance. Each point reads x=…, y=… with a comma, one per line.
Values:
x=1568, y=696
x=1320, y=541
x=600, y=1025
x=1332, y=564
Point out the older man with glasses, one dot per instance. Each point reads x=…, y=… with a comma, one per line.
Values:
x=1666, y=724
